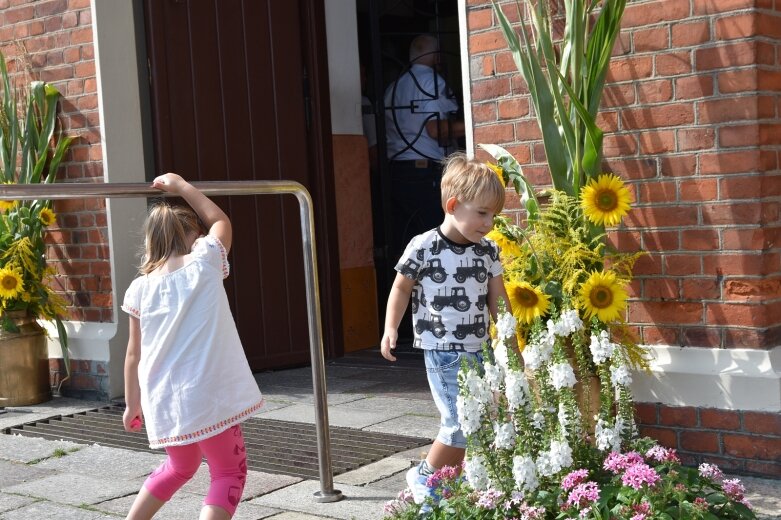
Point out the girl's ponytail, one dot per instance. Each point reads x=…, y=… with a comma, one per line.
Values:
x=168, y=231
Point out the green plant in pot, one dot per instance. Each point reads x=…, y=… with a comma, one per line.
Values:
x=30, y=153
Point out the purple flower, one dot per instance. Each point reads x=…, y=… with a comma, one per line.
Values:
x=638, y=516
x=711, y=471
x=583, y=495
x=531, y=512
x=639, y=474
x=489, y=499
x=734, y=489
x=573, y=479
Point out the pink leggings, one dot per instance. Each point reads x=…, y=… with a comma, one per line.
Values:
x=227, y=459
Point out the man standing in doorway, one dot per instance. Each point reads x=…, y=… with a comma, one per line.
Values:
x=421, y=131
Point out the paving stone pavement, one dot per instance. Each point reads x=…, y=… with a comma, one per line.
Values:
x=42, y=479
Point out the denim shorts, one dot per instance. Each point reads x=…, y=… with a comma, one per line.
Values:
x=442, y=368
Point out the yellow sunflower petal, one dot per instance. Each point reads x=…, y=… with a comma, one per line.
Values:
x=499, y=172
x=603, y=296
x=11, y=283
x=47, y=217
x=605, y=200
x=527, y=302
x=508, y=248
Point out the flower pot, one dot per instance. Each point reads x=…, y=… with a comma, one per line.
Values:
x=24, y=364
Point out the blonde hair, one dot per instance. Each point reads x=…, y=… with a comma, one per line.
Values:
x=166, y=233
x=469, y=180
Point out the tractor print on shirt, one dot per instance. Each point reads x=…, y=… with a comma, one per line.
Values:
x=477, y=328
x=434, y=325
x=477, y=271
x=481, y=300
x=440, y=245
x=414, y=300
x=435, y=271
x=457, y=299
x=484, y=249
x=410, y=269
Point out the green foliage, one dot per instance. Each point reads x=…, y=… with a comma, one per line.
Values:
x=30, y=153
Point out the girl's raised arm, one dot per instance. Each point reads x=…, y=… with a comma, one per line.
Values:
x=210, y=213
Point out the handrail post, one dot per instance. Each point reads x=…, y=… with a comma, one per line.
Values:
x=62, y=191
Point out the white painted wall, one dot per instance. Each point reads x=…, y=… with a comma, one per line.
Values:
x=344, y=78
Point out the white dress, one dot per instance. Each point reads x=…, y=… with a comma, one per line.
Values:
x=194, y=377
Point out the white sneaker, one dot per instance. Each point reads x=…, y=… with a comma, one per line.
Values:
x=417, y=484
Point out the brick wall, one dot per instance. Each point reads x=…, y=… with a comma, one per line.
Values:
x=692, y=121
x=52, y=41
x=739, y=442
x=691, y=115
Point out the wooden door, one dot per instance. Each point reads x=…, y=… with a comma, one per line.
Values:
x=239, y=92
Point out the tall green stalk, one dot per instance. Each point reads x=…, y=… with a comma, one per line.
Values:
x=565, y=81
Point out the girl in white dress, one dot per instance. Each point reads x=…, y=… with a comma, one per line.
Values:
x=186, y=375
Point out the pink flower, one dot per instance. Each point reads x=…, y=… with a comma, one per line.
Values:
x=639, y=474
x=642, y=507
x=573, y=479
x=734, y=489
x=662, y=454
x=583, y=495
x=711, y=471
x=531, y=512
x=616, y=462
x=638, y=516
x=701, y=504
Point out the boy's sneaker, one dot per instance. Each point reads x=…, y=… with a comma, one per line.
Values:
x=420, y=491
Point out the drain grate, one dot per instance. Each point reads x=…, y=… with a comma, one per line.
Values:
x=282, y=447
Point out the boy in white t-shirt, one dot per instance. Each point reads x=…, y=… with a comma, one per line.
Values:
x=453, y=276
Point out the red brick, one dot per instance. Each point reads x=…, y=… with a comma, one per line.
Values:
x=682, y=416
x=646, y=413
x=764, y=469
x=732, y=55
x=496, y=133
x=656, y=141
x=747, y=239
x=769, y=80
x=654, y=91
x=737, y=314
x=716, y=419
x=743, y=80
x=729, y=109
x=698, y=190
x=751, y=338
x=650, y=13
x=700, y=239
x=697, y=289
x=504, y=63
x=693, y=87
x=730, y=162
x=682, y=264
x=490, y=89
x=20, y=14
x=50, y=8
x=658, y=191
x=661, y=288
x=742, y=187
x=673, y=63
x=699, y=442
x=752, y=447
x=486, y=41
x=528, y=130
x=480, y=19
x=661, y=116
x=650, y=264
x=701, y=337
x=768, y=423
x=695, y=139
x=619, y=145
x=654, y=39
x=666, y=437
x=631, y=68
x=662, y=216
x=513, y=108
x=483, y=113
x=617, y=96
x=688, y=34
x=730, y=214
x=741, y=25
x=669, y=312
x=739, y=135
x=751, y=290
x=720, y=6
x=81, y=35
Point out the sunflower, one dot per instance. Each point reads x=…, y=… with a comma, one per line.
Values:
x=10, y=283
x=508, y=246
x=47, y=217
x=603, y=295
x=527, y=302
x=499, y=172
x=5, y=205
x=605, y=200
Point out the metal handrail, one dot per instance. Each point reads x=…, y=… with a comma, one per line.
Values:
x=327, y=492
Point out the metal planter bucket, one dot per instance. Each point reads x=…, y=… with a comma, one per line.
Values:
x=24, y=365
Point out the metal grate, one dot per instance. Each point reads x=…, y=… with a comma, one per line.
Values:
x=282, y=447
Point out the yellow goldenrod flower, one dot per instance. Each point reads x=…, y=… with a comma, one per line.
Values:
x=6, y=205
x=509, y=248
x=11, y=283
x=603, y=295
x=499, y=172
x=605, y=200
x=527, y=302
x=47, y=217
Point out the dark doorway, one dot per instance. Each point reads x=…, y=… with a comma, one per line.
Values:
x=239, y=92
x=386, y=29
